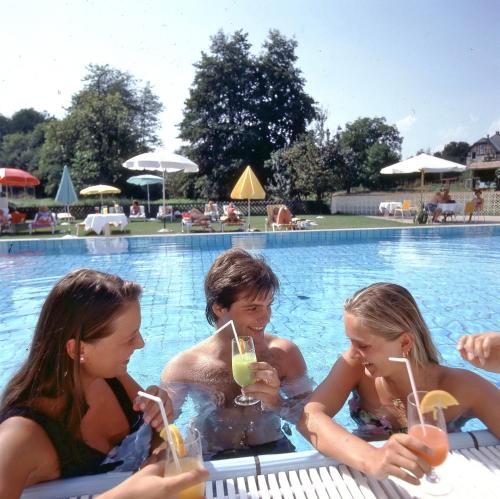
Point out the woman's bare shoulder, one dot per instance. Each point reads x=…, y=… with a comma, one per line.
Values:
x=25, y=443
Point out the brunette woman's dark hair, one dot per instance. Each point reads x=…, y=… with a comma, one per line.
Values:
x=81, y=306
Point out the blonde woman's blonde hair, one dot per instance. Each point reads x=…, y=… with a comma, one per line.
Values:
x=389, y=310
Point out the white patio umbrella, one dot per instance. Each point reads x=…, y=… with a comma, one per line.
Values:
x=423, y=163
x=160, y=160
x=145, y=180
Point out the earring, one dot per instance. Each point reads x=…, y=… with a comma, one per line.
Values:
x=405, y=354
x=82, y=358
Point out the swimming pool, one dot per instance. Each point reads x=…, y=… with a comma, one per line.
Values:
x=451, y=271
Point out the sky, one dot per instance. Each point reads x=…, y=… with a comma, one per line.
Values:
x=430, y=67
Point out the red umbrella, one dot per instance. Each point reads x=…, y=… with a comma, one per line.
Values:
x=17, y=178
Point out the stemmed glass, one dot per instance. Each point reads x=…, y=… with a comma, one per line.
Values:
x=243, y=352
x=434, y=435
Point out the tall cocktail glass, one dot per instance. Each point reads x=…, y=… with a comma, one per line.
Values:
x=433, y=433
x=243, y=355
x=190, y=457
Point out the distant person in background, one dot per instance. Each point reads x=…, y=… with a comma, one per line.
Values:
x=284, y=216
x=481, y=350
x=4, y=219
x=135, y=209
x=43, y=218
x=432, y=207
x=478, y=202
x=232, y=215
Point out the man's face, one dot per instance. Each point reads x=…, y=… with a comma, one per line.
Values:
x=250, y=314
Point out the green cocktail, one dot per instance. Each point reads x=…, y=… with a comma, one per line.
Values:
x=243, y=351
x=242, y=373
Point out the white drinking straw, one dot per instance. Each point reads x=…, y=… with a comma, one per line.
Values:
x=170, y=440
x=413, y=385
x=234, y=332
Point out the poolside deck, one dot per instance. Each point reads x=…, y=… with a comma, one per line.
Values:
x=472, y=468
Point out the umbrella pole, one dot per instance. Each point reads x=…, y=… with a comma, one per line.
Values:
x=149, y=206
x=248, y=214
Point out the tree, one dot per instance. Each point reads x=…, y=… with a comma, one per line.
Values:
x=368, y=144
x=241, y=108
x=110, y=120
x=454, y=151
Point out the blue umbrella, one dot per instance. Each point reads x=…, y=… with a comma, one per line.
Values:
x=66, y=193
x=146, y=180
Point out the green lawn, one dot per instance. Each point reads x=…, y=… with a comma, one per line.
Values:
x=257, y=222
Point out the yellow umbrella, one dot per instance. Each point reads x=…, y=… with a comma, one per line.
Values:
x=248, y=187
x=99, y=190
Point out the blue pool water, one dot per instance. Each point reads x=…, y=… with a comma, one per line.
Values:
x=452, y=272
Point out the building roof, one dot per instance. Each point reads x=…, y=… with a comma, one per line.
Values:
x=494, y=140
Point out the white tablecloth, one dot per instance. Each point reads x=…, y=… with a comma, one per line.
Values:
x=388, y=207
x=450, y=207
x=99, y=222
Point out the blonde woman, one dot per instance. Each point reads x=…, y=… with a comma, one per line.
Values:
x=384, y=321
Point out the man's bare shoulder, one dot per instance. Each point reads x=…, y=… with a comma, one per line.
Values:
x=290, y=361
x=181, y=367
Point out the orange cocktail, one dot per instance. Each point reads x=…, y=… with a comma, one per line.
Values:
x=435, y=438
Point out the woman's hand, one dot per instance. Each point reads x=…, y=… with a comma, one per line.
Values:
x=149, y=483
x=397, y=457
x=481, y=350
x=152, y=414
x=266, y=387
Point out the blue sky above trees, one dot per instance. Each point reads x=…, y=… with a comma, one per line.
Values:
x=430, y=67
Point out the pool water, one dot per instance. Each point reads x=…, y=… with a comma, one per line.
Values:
x=453, y=275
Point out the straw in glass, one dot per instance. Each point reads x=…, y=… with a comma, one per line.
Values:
x=170, y=440
x=234, y=333
x=413, y=385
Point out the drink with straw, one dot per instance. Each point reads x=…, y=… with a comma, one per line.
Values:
x=189, y=454
x=243, y=351
x=432, y=433
x=182, y=454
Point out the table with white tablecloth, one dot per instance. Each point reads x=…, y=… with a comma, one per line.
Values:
x=449, y=209
x=99, y=222
x=388, y=207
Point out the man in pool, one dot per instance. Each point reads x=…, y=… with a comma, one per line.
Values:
x=241, y=288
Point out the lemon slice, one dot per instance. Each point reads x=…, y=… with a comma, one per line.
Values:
x=241, y=341
x=437, y=398
x=176, y=437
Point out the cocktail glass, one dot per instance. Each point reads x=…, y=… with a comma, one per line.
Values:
x=243, y=355
x=190, y=457
x=434, y=435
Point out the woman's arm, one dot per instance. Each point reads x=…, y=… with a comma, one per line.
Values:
x=394, y=458
x=27, y=456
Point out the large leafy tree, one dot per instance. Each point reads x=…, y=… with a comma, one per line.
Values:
x=305, y=168
x=243, y=107
x=112, y=118
x=454, y=151
x=367, y=145
x=21, y=138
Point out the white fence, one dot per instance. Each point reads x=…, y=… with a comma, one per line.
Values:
x=367, y=204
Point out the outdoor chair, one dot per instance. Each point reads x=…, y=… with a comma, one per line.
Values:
x=227, y=221
x=139, y=216
x=187, y=222
x=42, y=223
x=212, y=210
x=406, y=207
x=470, y=211
x=273, y=211
x=163, y=214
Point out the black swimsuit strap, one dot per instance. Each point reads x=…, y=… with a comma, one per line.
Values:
x=134, y=418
